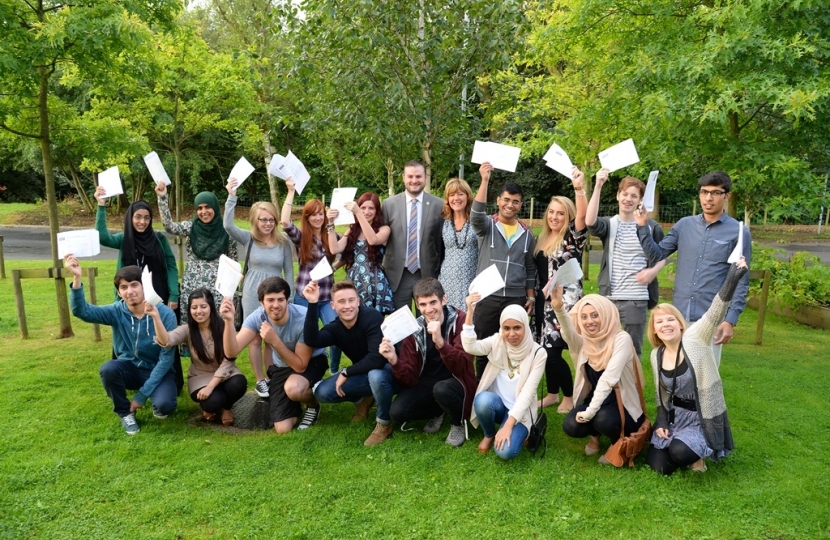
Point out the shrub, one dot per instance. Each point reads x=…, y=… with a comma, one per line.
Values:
x=803, y=280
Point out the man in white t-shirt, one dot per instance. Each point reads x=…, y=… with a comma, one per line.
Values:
x=294, y=367
x=621, y=277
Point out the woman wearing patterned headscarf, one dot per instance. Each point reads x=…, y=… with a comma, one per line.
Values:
x=206, y=241
x=603, y=356
x=506, y=394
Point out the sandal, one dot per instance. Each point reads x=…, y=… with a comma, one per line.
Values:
x=227, y=417
x=208, y=416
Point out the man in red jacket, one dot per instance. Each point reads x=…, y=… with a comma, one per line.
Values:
x=436, y=375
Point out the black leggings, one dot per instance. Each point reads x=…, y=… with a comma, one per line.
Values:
x=668, y=460
x=606, y=422
x=558, y=373
x=223, y=396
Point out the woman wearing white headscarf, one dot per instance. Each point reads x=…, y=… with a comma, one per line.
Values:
x=506, y=394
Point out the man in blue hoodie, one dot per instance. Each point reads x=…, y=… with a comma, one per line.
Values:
x=141, y=364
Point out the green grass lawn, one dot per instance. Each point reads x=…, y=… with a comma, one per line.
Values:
x=69, y=471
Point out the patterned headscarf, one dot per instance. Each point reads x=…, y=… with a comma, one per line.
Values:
x=599, y=348
x=208, y=240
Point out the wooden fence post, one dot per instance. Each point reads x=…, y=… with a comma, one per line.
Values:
x=18, y=300
x=93, y=298
x=765, y=275
x=2, y=261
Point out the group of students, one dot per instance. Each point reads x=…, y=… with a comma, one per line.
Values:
x=472, y=359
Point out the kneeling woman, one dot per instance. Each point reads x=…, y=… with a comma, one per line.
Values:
x=603, y=356
x=213, y=381
x=691, y=420
x=506, y=394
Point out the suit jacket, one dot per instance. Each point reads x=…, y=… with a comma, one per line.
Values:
x=395, y=215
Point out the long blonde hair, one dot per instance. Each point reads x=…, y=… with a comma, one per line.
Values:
x=549, y=242
x=454, y=185
x=277, y=236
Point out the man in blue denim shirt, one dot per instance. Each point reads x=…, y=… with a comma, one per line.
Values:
x=703, y=244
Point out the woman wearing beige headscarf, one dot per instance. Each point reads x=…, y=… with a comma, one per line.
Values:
x=603, y=356
x=506, y=394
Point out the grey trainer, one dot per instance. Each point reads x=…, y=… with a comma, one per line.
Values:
x=130, y=424
x=434, y=424
x=457, y=436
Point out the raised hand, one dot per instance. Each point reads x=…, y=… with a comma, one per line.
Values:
x=161, y=189
x=232, y=186
x=226, y=309
x=101, y=195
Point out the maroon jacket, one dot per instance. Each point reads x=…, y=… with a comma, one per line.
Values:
x=412, y=357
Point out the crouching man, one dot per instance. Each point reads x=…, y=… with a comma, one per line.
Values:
x=141, y=364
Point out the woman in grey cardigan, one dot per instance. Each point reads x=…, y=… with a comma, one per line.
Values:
x=692, y=423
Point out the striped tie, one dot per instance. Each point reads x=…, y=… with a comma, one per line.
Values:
x=412, y=242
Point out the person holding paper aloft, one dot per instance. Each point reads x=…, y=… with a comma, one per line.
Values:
x=459, y=245
x=140, y=362
x=213, y=380
x=506, y=394
x=508, y=243
x=267, y=253
x=562, y=239
x=141, y=246
x=603, y=356
x=623, y=257
x=691, y=423
x=357, y=331
x=703, y=244
x=312, y=246
x=206, y=241
x=362, y=249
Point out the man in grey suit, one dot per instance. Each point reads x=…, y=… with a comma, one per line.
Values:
x=412, y=249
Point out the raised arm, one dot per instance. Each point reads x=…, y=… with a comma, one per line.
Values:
x=232, y=342
x=161, y=332
x=172, y=271
x=106, y=237
x=336, y=244
x=373, y=238
x=243, y=237
x=580, y=200
x=287, y=205
x=181, y=228
x=592, y=211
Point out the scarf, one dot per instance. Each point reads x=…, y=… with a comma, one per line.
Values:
x=144, y=250
x=504, y=355
x=208, y=240
x=599, y=348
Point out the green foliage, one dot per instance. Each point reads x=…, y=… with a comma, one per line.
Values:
x=801, y=281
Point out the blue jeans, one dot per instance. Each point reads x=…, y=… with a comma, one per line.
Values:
x=326, y=314
x=358, y=386
x=384, y=387
x=118, y=376
x=490, y=411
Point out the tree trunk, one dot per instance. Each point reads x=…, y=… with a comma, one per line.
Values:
x=72, y=173
x=390, y=175
x=655, y=214
x=272, y=181
x=176, y=179
x=734, y=131
x=747, y=216
x=52, y=203
x=426, y=156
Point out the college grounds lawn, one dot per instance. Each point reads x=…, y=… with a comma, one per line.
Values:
x=67, y=469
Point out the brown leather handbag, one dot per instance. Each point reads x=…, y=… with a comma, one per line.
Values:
x=627, y=448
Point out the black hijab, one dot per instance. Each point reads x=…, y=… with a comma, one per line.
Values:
x=144, y=250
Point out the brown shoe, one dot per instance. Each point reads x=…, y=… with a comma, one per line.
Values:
x=209, y=416
x=227, y=417
x=361, y=408
x=380, y=434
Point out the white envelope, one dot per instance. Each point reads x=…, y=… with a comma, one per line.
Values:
x=228, y=276
x=150, y=294
x=619, y=156
x=241, y=171
x=322, y=270
x=339, y=197
x=487, y=282
x=399, y=325
x=739, y=247
x=500, y=156
x=558, y=160
x=289, y=166
x=156, y=169
x=83, y=243
x=568, y=273
x=648, y=198
x=110, y=180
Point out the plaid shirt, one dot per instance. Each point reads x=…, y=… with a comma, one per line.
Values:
x=318, y=251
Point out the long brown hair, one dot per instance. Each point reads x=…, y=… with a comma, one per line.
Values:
x=375, y=257
x=314, y=206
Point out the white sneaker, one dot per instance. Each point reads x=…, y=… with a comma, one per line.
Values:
x=261, y=388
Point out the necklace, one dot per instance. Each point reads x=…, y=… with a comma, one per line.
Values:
x=463, y=232
x=512, y=368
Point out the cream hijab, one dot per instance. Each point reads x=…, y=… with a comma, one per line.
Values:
x=506, y=356
x=599, y=348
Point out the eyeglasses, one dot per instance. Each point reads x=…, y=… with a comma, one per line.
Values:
x=705, y=193
x=511, y=202
x=267, y=221
x=147, y=219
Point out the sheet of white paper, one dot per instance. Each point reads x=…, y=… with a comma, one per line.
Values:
x=487, y=282
x=150, y=294
x=156, y=169
x=323, y=269
x=83, y=243
x=289, y=166
x=568, y=273
x=241, y=171
x=739, y=247
x=110, y=180
x=648, y=198
x=228, y=276
x=500, y=156
x=339, y=197
x=619, y=156
x=399, y=325
x=558, y=160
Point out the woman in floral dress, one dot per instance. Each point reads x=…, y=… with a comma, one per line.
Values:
x=460, y=244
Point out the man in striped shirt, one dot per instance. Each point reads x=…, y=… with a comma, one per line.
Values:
x=620, y=278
